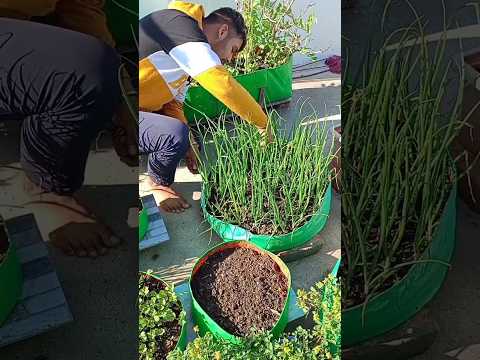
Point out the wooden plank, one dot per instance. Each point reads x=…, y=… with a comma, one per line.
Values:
x=32, y=252
x=151, y=211
x=43, y=305
x=36, y=268
x=157, y=231
x=46, y=301
x=20, y=224
x=23, y=238
x=20, y=313
x=34, y=325
x=40, y=285
x=149, y=201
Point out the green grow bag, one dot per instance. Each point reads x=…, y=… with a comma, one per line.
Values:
x=182, y=339
x=142, y=224
x=206, y=323
x=122, y=20
x=277, y=82
x=399, y=303
x=11, y=282
x=275, y=244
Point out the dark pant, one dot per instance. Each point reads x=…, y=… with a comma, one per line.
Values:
x=63, y=86
x=165, y=140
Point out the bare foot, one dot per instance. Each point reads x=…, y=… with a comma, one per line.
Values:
x=69, y=225
x=167, y=198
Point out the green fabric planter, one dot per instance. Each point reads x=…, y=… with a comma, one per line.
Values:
x=200, y=104
x=275, y=244
x=399, y=303
x=121, y=21
x=182, y=339
x=11, y=282
x=142, y=224
x=206, y=323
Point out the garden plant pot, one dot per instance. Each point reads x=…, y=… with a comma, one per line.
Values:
x=277, y=82
x=11, y=279
x=273, y=243
x=142, y=224
x=206, y=323
x=405, y=298
x=467, y=144
x=182, y=338
x=122, y=20
x=337, y=158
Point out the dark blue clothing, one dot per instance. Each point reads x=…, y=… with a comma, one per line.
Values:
x=63, y=85
x=166, y=142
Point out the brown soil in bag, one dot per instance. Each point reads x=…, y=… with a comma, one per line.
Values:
x=241, y=290
x=266, y=226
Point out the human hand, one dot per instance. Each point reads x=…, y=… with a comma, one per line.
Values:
x=125, y=136
x=191, y=158
x=266, y=134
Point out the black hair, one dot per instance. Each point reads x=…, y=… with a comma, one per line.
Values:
x=234, y=18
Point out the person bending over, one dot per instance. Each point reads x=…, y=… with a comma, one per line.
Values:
x=177, y=44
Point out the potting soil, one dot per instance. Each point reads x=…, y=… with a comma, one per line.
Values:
x=173, y=329
x=267, y=225
x=241, y=289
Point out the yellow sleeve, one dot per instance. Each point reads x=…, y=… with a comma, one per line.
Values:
x=221, y=84
x=86, y=16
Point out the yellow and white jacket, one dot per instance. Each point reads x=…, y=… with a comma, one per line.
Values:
x=172, y=48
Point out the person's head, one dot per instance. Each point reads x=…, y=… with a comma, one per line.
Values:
x=226, y=32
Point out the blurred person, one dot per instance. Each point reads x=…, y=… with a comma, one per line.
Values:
x=58, y=76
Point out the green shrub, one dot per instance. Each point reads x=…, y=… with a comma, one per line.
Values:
x=157, y=311
x=275, y=33
x=324, y=302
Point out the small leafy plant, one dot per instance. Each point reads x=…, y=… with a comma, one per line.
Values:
x=275, y=33
x=302, y=344
x=324, y=302
x=271, y=188
x=160, y=318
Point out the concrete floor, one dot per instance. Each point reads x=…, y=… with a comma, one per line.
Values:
x=191, y=237
x=101, y=293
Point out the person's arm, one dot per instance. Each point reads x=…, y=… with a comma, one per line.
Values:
x=199, y=61
x=179, y=35
x=86, y=16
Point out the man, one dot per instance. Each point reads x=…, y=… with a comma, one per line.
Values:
x=175, y=44
x=61, y=82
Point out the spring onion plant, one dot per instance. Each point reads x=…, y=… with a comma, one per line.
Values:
x=397, y=168
x=267, y=188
